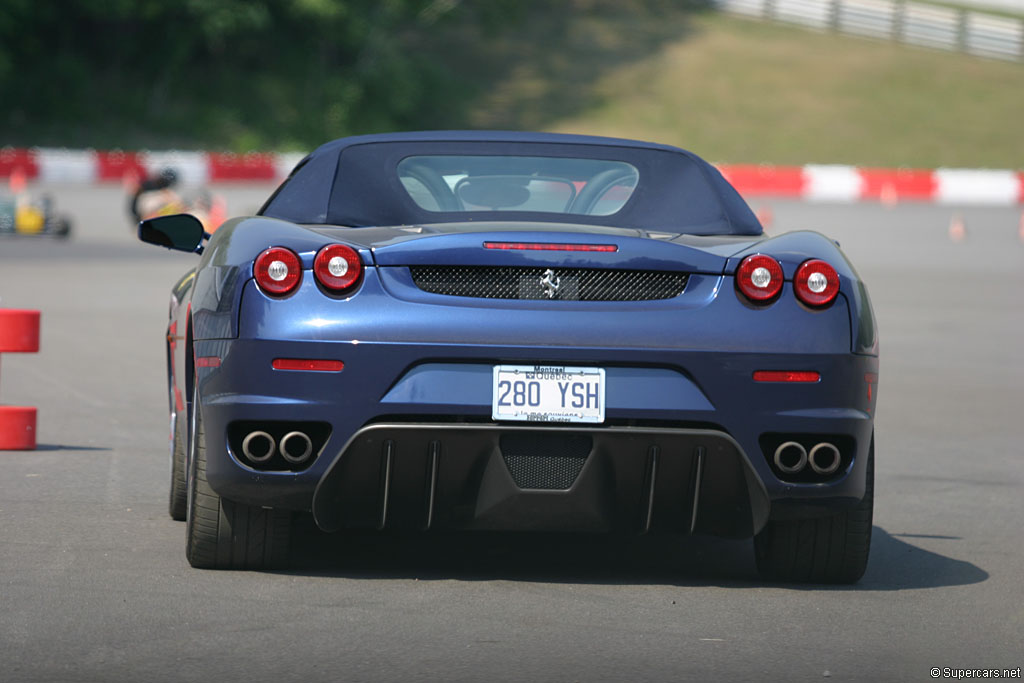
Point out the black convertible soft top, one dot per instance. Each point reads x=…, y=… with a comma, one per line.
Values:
x=353, y=182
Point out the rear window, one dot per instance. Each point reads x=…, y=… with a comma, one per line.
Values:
x=453, y=183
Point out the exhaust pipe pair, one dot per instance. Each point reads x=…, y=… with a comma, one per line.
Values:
x=791, y=457
x=259, y=447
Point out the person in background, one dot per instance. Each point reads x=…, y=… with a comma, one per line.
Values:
x=156, y=196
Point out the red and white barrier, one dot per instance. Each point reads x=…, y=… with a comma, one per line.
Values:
x=193, y=168
x=816, y=183
x=19, y=333
x=820, y=183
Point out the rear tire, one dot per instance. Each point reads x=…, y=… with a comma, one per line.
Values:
x=830, y=549
x=178, y=503
x=63, y=229
x=221, y=534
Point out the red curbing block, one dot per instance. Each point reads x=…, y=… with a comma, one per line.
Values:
x=117, y=165
x=756, y=180
x=249, y=167
x=17, y=428
x=891, y=185
x=19, y=333
x=17, y=160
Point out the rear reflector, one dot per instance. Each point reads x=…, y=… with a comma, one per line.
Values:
x=308, y=365
x=546, y=246
x=208, y=362
x=786, y=376
x=872, y=379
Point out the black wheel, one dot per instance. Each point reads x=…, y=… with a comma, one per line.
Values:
x=63, y=229
x=221, y=534
x=178, y=504
x=830, y=549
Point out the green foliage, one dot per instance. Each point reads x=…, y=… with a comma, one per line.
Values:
x=236, y=73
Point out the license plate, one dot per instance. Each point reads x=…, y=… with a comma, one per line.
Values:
x=548, y=393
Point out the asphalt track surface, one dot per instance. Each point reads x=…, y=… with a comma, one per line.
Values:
x=94, y=585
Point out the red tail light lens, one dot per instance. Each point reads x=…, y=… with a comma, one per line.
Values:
x=277, y=271
x=816, y=283
x=759, y=277
x=337, y=267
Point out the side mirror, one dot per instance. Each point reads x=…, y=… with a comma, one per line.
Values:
x=181, y=231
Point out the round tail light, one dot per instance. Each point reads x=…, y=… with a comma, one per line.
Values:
x=277, y=271
x=759, y=277
x=816, y=283
x=337, y=267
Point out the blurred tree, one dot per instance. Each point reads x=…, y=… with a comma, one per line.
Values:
x=245, y=74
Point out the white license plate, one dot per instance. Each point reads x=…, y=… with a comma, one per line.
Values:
x=548, y=393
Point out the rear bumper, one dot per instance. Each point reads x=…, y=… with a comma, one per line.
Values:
x=412, y=445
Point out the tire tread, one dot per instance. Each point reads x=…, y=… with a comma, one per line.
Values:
x=178, y=499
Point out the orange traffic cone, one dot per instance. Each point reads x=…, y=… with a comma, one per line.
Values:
x=18, y=180
x=218, y=213
x=765, y=216
x=957, y=228
x=130, y=181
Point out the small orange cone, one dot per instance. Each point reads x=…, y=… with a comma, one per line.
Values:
x=957, y=228
x=218, y=213
x=130, y=181
x=888, y=195
x=18, y=180
x=765, y=216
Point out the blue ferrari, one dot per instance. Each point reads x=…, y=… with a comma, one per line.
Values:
x=522, y=332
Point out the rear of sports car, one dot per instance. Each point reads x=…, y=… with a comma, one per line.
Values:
x=539, y=377
x=520, y=332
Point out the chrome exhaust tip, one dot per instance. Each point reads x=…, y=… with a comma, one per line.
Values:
x=825, y=458
x=791, y=457
x=258, y=447
x=296, y=447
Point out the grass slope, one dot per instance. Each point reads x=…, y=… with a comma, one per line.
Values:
x=740, y=90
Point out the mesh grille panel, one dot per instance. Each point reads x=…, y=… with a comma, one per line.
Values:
x=558, y=284
x=545, y=461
